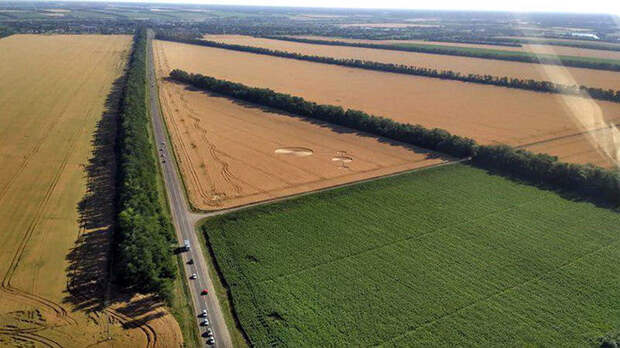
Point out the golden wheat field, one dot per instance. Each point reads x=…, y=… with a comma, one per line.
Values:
x=556, y=49
x=488, y=114
x=57, y=126
x=465, y=65
x=232, y=154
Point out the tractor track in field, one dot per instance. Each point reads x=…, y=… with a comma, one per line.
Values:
x=31, y=337
x=6, y=286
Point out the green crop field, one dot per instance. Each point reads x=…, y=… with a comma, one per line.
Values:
x=446, y=256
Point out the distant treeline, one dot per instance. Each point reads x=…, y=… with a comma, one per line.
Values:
x=585, y=180
x=518, y=42
x=593, y=45
x=144, y=260
x=479, y=42
x=4, y=32
x=509, y=82
x=465, y=52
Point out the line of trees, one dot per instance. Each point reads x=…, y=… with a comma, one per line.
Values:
x=144, y=259
x=594, y=45
x=4, y=32
x=460, y=51
x=489, y=42
x=530, y=85
x=588, y=181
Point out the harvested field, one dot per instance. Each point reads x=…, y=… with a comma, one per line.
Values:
x=588, y=77
x=59, y=94
x=429, y=259
x=581, y=148
x=486, y=113
x=233, y=154
x=532, y=48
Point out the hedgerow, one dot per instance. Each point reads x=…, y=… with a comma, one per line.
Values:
x=588, y=181
x=144, y=260
x=501, y=81
x=579, y=62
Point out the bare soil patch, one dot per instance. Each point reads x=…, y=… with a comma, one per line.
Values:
x=466, y=65
x=59, y=94
x=486, y=113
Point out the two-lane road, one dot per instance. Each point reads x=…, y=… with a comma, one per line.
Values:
x=184, y=220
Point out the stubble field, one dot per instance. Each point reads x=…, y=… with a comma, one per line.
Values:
x=465, y=65
x=432, y=258
x=486, y=113
x=233, y=154
x=58, y=95
x=559, y=50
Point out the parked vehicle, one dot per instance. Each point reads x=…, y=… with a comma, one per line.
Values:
x=193, y=276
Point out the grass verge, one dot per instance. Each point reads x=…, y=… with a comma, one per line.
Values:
x=180, y=305
x=237, y=335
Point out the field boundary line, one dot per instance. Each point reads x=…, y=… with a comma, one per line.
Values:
x=550, y=140
x=202, y=215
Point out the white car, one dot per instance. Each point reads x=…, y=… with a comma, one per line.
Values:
x=205, y=322
x=203, y=313
x=211, y=341
x=193, y=276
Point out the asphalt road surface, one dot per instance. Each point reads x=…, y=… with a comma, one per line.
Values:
x=184, y=222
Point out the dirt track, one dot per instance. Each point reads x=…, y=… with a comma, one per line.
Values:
x=486, y=113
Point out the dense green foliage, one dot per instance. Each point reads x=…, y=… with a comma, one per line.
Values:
x=531, y=85
x=586, y=180
x=444, y=256
x=4, y=32
x=144, y=259
x=518, y=56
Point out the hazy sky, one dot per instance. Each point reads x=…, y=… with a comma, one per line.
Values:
x=589, y=6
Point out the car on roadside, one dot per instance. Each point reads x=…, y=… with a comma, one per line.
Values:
x=211, y=341
x=203, y=313
x=193, y=276
x=204, y=292
x=205, y=322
